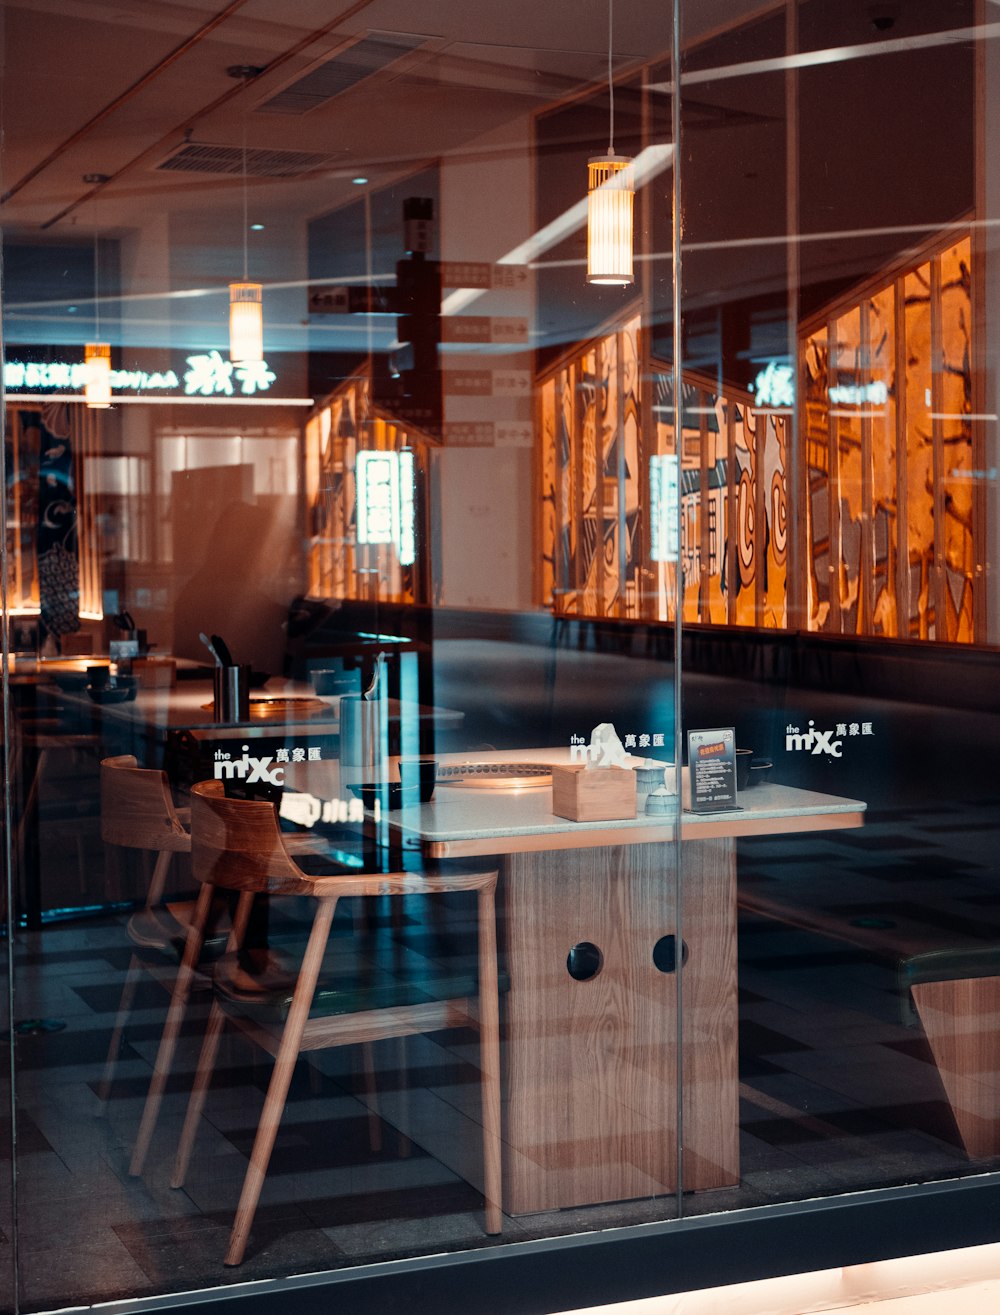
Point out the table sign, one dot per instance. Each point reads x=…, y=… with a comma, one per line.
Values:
x=712, y=767
x=121, y=650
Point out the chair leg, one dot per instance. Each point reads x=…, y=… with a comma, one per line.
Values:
x=196, y=1103
x=489, y=1059
x=405, y=1144
x=158, y=880
x=171, y=1030
x=371, y=1096
x=124, y=1009
x=277, y=1090
x=19, y=847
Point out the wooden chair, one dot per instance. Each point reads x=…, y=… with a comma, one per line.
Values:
x=40, y=734
x=137, y=812
x=237, y=845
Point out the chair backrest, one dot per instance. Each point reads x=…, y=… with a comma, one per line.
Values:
x=137, y=810
x=237, y=843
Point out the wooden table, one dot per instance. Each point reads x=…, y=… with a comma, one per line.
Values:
x=282, y=710
x=590, y=1066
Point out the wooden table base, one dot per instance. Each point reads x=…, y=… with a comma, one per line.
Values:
x=590, y=1072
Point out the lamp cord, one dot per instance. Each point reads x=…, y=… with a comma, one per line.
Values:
x=97, y=292
x=611, y=84
x=245, y=214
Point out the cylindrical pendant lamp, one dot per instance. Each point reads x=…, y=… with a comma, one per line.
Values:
x=97, y=389
x=610, y=199
x=246, y=322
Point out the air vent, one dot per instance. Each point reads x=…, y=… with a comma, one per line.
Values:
x=202, y=158
x=350, y=66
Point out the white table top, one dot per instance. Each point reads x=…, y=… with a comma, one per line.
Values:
x=461, y=821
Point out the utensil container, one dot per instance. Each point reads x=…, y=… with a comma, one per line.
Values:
x=232, y=693
x=363, y=739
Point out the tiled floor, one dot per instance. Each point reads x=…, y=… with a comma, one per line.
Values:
x=837, y=1092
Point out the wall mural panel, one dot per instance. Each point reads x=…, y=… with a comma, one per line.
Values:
x=745, y=487
x=882, y=355
x=700, y=521
x=364, y=537
x=54, y=519
x=958, y=484
x=886, y=409
x=888, y=497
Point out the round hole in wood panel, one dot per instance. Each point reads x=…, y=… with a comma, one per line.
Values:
x=584, y=961
x=665, y=954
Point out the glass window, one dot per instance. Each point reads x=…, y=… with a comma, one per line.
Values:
x=500, y=547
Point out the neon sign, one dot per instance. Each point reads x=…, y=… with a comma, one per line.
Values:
x=208, y=374
x=877, y=394
x=386, y=501
x=775, y=385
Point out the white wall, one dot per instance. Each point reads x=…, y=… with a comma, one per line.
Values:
x=486, y=492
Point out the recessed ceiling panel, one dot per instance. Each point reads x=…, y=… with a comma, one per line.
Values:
x=351, y=65
x=204, y=158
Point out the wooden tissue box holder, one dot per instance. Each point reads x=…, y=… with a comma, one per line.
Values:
x=602, y=794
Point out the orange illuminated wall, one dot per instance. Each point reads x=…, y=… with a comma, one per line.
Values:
x=886, y=514
x=891, y=523
x=603, y=430
x=338, y=566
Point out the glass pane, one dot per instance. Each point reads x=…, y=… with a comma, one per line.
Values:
x=836, y=248
x=399, y=600
x=390, y=604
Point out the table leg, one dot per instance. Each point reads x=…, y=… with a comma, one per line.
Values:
x=590, y=1072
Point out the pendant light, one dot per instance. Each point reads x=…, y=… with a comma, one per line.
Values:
x=97, y=356
x=246, y=299
x=610, y=198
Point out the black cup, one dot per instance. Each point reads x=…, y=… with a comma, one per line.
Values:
x=99, y=677
x=421, y=773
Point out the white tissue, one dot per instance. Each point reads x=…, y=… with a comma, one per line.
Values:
x=606, y=749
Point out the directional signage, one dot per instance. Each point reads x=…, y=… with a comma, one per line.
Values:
x=511, y=433
x=468, y=383
x=481, y=274
x=471, y=433
x=485, y=328
x=489, y=433
x=466, y=274
x=499, y=382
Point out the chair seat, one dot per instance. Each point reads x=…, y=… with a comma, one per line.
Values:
x=157, y=929
x=353, y=985
x=949, y=963
x=160, y=935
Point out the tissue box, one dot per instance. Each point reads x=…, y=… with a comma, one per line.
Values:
x=600, y=794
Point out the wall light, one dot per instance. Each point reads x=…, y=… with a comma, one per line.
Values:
x=610, y=200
